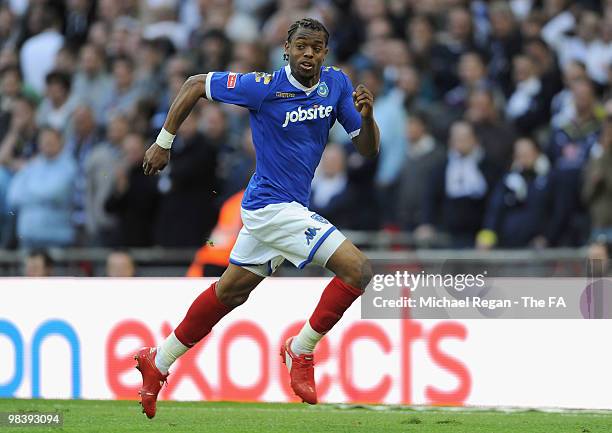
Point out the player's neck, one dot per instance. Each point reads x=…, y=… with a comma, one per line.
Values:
x=306, y=82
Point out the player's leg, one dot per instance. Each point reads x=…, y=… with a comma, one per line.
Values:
x=314, y=239
x=232, y=290
x=353, y=273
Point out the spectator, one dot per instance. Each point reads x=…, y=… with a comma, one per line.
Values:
x=37, y=55
x=456, y=193
x=422, y=156
x=57, y=107
x=213, y=50
x=41, y=193
x=8, y=27
x=446, y=53
x=120, y=264
x=10, y=89
x=546, y=67
x=149, y=73
x=99, y=34
x=584, y=45
x=19, y=142
x=563, y=108
x=99, y=167
x=597, y=187
x=516, y=211
x=134, y=197
x=472, y=76
x=16, y=148
x=331, y=196
x=495, y=136
x=390, y=116
x=526, y=108
x=572, y=143
x=189, y=182
x=569, y=150
x=81, y=142
x=416, y=95
x=38, y=264
x=125, y=91
x=66, y=60
x=421, y=34
x=92, y=84
x=79, y=16
x=504, y=44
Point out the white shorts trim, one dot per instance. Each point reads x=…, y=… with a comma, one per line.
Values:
x=284, y=231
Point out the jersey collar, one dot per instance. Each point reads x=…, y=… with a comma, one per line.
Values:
x=296, y=83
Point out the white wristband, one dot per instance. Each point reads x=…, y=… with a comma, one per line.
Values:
x=164, y=139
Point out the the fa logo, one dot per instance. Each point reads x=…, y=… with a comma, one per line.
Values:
x=323, y=90
x=231, y=80
x=311, y=233
x=319, y=218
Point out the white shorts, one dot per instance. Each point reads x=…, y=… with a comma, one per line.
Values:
x=283, y=231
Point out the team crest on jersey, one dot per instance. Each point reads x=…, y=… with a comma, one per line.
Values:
x=319, y=218
x=231, y=80
x=323, y=90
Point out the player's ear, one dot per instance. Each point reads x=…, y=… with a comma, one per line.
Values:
x=286, y=53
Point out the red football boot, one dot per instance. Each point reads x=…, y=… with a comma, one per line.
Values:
x=152, y=379
x=301, y=370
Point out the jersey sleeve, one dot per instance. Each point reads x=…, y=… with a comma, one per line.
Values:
x=348, y=116
x=245, y=90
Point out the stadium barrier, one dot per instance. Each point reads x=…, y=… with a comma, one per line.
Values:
x=74, y=338
x=164, y=262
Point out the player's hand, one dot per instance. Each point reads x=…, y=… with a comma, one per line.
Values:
x=364, y=101
x=155, y=159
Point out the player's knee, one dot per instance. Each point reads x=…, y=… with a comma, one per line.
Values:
x=235, y=294
x=233, y=299
x=366, y=273
x=358, y=273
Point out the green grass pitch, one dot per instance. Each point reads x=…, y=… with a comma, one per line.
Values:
x=89, y=416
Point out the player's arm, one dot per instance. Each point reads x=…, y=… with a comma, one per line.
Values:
x=367, y=142
x=158, y=154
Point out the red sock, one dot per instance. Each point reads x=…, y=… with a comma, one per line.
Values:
x=335, y=300
x=203, y=314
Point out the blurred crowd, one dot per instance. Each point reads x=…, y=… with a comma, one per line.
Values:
x=495, y=118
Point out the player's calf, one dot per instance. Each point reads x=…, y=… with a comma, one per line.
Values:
x=297, y=352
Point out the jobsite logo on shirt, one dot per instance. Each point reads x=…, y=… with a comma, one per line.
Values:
x=312, y=113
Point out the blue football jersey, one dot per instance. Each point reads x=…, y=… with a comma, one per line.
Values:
x=290, y=125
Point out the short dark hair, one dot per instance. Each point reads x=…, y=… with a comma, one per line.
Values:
x=58, y=77
x=124, y=59
x=307, y=23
